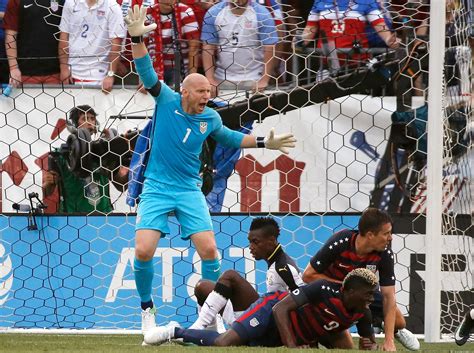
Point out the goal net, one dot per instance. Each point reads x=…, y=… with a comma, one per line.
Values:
x=360, y=115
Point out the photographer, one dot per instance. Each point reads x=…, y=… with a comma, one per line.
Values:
x=89, y=193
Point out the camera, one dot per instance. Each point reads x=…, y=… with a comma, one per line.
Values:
x=84, y=155
x=53, y=157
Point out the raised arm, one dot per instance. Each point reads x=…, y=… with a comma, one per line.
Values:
x=135, y=21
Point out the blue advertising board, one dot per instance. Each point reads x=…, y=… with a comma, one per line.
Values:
x=76, y=272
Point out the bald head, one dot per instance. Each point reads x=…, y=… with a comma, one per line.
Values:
x=195, y=79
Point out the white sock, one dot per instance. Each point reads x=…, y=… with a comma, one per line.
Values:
x=228, y=314
x=472, y=314
x=213, y=304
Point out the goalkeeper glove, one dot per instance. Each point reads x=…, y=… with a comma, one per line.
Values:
x=135, y=21
x=277, y=142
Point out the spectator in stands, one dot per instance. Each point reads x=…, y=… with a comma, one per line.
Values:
x=199, y=8
x=239, y=38
x=375, y=41
x=177, y=29
x=90, y=42
x=30, y=42
x=275, y=9
x=342, y=24
x=3, y=54
x=89, y=194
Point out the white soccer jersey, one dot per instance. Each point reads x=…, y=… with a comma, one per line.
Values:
x=91, y=31
x=282, y=274
x=239, y=40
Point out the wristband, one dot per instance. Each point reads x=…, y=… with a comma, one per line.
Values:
x=137, y=40
x=260, y=142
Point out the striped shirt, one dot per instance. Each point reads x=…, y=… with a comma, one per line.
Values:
x=338, y=257
x=344, y=21
x=189, y=31
x=324, y=314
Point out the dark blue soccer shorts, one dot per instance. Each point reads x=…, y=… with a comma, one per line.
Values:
x=256, y=326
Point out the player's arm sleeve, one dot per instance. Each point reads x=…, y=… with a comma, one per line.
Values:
x=66, y=17
x=387, y=268
x=10, y=18
x=226, y=136
x=276, y=12
x=148, y=75
x=313, y=16
x=209, y=33
x=288, y=274
x=374, y=13
x=325, y=256
x=116, y=25
x=267, y=30
x=310, y=293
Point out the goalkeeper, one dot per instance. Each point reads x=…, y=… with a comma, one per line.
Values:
x=181, y=123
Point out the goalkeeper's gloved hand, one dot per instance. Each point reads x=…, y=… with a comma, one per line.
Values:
x=279, y=142
x=135, y=21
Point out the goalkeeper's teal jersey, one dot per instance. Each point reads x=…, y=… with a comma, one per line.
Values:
x=178, y=137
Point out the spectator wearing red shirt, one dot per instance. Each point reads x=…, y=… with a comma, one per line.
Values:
x=3, y=54
x=341, y=24
x=173, y=20
x=199, y=7
x=30, y=42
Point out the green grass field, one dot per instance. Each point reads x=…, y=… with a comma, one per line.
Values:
x=19, y=343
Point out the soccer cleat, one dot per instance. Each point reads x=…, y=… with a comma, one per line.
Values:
x=407, y=339
x=160, y=334
x=148, y=319
x=464, y=330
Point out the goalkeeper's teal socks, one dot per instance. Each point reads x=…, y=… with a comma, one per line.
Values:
x=143, y=271
x=211, y=269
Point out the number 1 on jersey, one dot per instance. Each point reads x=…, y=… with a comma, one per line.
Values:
x=188, y=131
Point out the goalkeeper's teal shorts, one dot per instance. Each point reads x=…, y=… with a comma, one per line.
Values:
x=158, y=200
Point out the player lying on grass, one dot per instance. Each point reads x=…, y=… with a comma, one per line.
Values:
x=368, y=247
x=465, y=328
x=234, y=293
x=317, y=313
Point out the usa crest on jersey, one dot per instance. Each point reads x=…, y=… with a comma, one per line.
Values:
x=203, y=127
x=372, y=268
